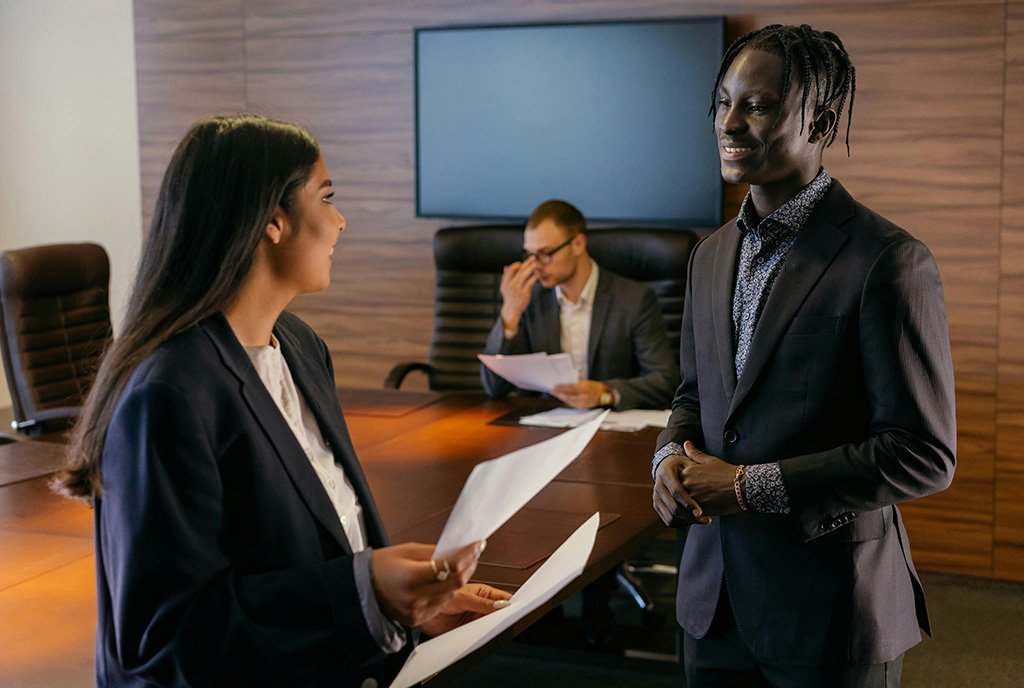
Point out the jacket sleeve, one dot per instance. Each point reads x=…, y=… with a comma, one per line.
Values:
x=658, y=373
x=908, y=375
x=496, y=386
x=685, y=422
x=181, y=614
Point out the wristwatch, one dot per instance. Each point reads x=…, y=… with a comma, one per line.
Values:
x=605, y=399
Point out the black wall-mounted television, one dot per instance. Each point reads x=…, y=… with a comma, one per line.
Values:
x=610, y=116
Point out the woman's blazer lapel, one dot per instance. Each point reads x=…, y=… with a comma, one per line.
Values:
x=321, y=395
x=280, y=438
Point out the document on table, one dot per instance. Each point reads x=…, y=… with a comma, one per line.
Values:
x=538, y=372
x=498, y=488
x=622, y=421
x=565, y=564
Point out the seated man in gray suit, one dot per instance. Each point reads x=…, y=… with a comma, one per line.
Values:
x=557, y=299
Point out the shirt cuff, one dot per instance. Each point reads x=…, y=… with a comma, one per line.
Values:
x=389, y=636
x=765, y=491
x=669, y=449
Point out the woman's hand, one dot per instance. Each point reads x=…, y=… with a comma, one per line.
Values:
x=468, y=603
x=407, y=583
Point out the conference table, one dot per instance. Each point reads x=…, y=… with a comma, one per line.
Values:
x=417, y=449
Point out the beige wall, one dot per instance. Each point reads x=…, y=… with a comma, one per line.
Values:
x=69, y=131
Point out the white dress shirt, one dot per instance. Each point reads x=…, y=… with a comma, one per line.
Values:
x=277, y=377
x=574, y=321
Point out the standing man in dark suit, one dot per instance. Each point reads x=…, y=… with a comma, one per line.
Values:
x=817, y=393
x=557, y=299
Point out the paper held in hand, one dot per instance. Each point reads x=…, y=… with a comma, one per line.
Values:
x=564, y=565
x=498, y=488
x=538, y=372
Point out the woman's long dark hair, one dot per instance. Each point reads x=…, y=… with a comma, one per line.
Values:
x=223, y=184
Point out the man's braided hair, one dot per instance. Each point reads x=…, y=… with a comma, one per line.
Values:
x=820, y=58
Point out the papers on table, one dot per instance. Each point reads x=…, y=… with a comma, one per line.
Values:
x=565, y=564
x=538, y=372
x=497, y=489
x=624, y=421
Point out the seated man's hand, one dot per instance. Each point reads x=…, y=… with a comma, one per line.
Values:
x=517, y=282
x=584, y=394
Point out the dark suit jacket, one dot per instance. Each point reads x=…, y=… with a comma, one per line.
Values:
x=220, y=559
x=849, y=385
x=628, y=347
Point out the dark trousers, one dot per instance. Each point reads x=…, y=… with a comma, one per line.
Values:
x=721, y=660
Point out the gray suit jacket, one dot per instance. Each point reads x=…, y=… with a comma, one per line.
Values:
x=849, y=385
x=628, y=347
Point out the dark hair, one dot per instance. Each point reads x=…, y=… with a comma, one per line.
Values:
x=563, y=213
x=221, y=188
x=820, y=58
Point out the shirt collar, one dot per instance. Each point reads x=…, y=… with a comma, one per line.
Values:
x=589, y=289
x=790, y=217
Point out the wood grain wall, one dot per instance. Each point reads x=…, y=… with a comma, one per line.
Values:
x=937, y=147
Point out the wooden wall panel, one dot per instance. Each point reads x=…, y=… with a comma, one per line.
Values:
x=179, y=82
x=930, y=127
x=1009, y=483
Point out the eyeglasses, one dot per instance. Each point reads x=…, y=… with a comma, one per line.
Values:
x=545, y=255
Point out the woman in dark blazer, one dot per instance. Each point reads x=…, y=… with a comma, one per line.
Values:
x=237, y=542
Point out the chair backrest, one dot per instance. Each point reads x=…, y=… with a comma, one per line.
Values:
x=54, y=326
x=469, y=262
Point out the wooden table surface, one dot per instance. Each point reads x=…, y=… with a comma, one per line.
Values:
x=417, y=449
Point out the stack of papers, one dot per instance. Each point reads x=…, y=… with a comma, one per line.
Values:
x=622, y=421
x=538, y=372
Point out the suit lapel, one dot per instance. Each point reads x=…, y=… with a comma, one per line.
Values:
x=552, y=329
x=815, y=247
x=598, y=316
x=322, y=401
x=276, y=429
x=724, y=283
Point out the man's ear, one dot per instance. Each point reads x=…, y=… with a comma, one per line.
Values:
x=822, y=125
x=579, y=244
x=277, y=228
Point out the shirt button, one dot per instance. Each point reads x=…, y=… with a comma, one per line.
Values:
x=731, y=436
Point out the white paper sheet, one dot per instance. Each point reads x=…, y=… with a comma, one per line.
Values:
x=497, y=489
x=622, y=421
x=538, y=372
x=565, y=564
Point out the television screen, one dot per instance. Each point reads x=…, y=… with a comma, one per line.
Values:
x=612, y=117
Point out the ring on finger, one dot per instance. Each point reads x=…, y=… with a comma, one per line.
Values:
x=440, y=575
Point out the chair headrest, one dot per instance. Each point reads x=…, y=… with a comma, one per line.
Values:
x=53, y=269
x=640, y=253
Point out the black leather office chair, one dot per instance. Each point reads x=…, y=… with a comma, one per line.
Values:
x=469, y=261
x=54, y=326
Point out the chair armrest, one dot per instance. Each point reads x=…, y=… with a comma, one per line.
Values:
x=43, y=416
x=398, y=373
